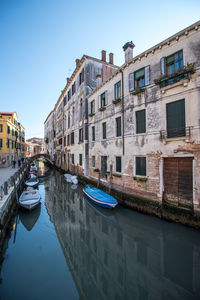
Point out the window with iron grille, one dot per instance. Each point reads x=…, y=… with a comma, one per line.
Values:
x=118, y=164
x=140, y=121
x=140, y=166
x=118, y=127
x=104, y=130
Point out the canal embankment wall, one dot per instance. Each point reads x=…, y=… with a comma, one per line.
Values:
x=9, y=192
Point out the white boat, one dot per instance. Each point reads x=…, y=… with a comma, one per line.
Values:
x=29, y=199
x=32, y=182
x=33, y=169
x=70, y=178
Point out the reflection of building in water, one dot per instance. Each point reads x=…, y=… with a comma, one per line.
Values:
x=130, y=257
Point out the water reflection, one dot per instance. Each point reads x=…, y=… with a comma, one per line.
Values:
x=29, y=218
x=122, y=254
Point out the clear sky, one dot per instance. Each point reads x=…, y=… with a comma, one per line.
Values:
x=40, y=40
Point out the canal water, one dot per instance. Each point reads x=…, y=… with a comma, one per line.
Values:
x=69, y=249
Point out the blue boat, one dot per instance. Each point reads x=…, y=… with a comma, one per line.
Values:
x=99, y=197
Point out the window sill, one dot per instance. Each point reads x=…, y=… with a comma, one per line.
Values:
x=115, y=101
x=91, y=115
x=137, y=91
x=140, y=178
x=117, y=175
x=102, y=108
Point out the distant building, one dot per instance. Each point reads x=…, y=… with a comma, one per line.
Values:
x=34, y=146
x=12, y=137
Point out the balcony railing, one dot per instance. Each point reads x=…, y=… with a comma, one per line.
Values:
x=175, y=132
x=182, y=73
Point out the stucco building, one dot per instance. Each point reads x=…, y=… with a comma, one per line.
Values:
x=12, y=137
x=144, y=127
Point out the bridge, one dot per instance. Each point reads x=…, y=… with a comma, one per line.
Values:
x=43, y=156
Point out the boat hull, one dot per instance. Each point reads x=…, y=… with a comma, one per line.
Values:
x=99, y=202
x=29, y=199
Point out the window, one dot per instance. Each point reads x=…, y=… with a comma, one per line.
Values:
x=1, y=127
x=65, y=100
x=68, y=119
x=174, y=62
x=140, y=121
x=1, y=143
x=64, y=140
x=73, y=115
x=73, y=159
x=8, y=143
x=176, y=119
x=118, y=127
x=69, y=95
x=12, y=132
x=104, y=130
x=93, y=133
x=103, y=99
x=118, y=164
x=92, y=107
x=8, y=129
x=68, y=139
x=73, y=88
x=141, y=166
x=72, y=138
x=81, y=110
x=12, y=144
x=103, y=165
x=93, y=161
x=117, y=90
x=81, y=77
x=80, y=159
x=80, y=134
x=139, y=78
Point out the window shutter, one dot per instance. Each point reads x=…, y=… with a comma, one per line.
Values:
x=147, y=75
x=163, y=65
x=106, y=100
x=131, y=82
x=141, y=121
x=83, y=75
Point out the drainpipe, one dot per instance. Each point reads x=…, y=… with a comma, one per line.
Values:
x=123, y=146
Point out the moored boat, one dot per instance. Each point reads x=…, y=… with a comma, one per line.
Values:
x=71, y=178
x=29, y=199
x=32, y=182
x=99, y=197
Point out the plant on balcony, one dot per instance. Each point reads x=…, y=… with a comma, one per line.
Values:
x=117, y=100
x=138, y=90
x=102, y=108
x=182, y=73
x=96, y=170
x=91, y=114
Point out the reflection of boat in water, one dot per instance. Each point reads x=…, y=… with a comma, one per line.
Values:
x=29, y=218
x=105, y=213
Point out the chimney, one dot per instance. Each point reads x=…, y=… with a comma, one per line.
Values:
x=77, y=62
x=111, y=58
x=67, y=79
x=98, y=80
x=103, y=55
x=128, y=49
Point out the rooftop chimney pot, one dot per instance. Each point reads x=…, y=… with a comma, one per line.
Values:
x=111, y=58
x=128, y=50
x=103, y=55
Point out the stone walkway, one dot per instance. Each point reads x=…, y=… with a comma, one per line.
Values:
x=6, y=173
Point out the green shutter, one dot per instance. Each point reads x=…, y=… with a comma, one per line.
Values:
x=118, y=164
x=139, y=74
x=141, y=121
x=118, y=126
x=176, y=119
x=141, y=166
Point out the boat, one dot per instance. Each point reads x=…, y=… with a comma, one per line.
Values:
x=33, y=169
x=32, y=182
x=99, y=197
x=71, y=178
x=29, y=199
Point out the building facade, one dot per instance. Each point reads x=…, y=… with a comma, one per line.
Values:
x=144, y=122
x=12, y=138
x=66, y=128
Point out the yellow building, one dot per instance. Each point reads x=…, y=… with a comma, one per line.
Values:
x=12, y=137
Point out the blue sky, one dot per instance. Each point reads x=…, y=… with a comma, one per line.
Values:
x=40, y=40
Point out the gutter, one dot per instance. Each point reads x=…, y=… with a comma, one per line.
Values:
x=123, y=144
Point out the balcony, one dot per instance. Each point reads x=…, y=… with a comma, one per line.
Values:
x=175, y=133
x=182, y=73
